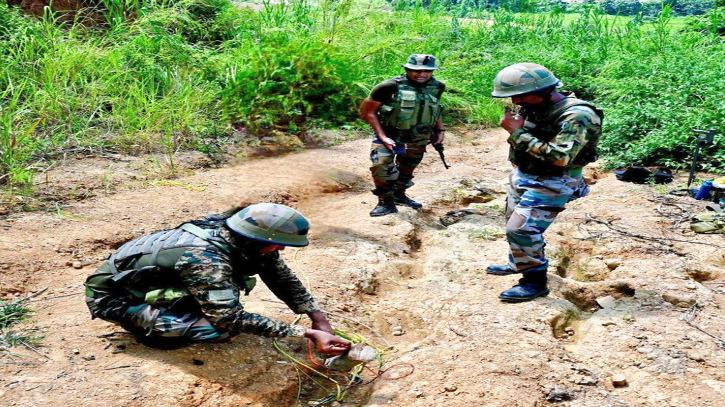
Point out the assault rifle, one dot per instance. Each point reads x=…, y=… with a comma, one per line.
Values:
x=438, y=147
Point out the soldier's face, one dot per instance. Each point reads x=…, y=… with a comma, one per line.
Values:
x=419, y=75
x=528, y=99
x=271, y=248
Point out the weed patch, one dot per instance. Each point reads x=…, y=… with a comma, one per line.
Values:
x=12, y=314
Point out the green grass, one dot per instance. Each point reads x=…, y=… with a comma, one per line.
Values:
x=11, y=314
x=171, y=76
x=487, y=233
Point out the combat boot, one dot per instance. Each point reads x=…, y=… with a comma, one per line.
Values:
x=501, y=270
x=525, y=290
x=385, y=206
x=402, y=199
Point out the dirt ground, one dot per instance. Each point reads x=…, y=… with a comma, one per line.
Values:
x=636, y=296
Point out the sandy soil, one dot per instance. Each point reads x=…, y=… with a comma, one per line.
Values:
x=413, y=280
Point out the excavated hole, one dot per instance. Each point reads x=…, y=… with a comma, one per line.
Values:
x=582, y=300
x=578, y=264
x=584, y=296
x=344, y=181
x=413, y=240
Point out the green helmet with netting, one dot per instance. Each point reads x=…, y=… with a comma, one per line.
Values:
x=421, y=62
x=271, y=223
x=523, y=78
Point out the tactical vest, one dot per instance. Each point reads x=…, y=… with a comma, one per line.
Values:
x=163, y=249
x=546, y=128
x=413, y=107
x=144, y=266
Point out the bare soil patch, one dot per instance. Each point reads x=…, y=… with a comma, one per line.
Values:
x=414, y=280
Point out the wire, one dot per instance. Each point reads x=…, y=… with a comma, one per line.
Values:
x=353, y=377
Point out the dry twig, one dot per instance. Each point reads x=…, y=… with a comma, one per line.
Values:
x=690, y=315
x=590, y=218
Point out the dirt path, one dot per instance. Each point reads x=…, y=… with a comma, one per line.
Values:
x=413, y=280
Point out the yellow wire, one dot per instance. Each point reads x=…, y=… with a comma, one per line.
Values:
x=297, y=267
x=351, y=336
x=292, y=358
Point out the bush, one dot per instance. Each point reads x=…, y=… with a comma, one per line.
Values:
x=291, y=86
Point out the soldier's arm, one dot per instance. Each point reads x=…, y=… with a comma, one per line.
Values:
x=577, y=125
x=285, y=285
x=208, y=277
x=369, y=113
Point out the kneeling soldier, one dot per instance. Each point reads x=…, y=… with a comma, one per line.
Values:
x=183, y=284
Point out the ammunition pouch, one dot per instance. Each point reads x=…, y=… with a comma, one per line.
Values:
x=248, y=284
x=586, y=156
x=407, y=136
x=137, y=281
x=412, y=106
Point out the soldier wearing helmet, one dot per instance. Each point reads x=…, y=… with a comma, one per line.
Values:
x=183, y=285
x=404, y=112
x=552, y=137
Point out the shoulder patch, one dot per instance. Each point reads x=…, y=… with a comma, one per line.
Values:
x=223, y=295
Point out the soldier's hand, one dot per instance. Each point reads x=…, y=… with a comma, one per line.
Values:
x=510, y=121
x=327, y=343
x=319, y=321
x=388, y=142
x=439, y=137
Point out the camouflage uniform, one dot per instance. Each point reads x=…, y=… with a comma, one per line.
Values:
x=202, y=281
x=549, y=152
x=394, y=172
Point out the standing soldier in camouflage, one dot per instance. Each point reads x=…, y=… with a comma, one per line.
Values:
x=553, y=136
x=404, y=113
x=182, y=285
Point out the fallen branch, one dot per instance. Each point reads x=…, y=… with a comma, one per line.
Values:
x=690, y=315
x=37, y=293
x=27, y=345
x=55, y=297
x=590, y=218
x=118, y=367
x=461, y=334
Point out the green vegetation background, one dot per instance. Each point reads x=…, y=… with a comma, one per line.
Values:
x=163, y=76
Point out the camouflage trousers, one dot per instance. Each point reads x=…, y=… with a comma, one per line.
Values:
x=144, y=320
x=533, y=202
x=395, y=171
x=162, y=323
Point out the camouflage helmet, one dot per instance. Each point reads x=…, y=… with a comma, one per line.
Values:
x=522, y=78
x=271, y=223
x=421, y=62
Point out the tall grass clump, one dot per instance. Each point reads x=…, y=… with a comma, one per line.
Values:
x=11, y=314
x=290, y=87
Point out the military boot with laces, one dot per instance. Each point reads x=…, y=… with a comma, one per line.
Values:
x=402, y=199
x=385, y=206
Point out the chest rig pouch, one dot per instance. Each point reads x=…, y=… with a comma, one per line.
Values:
x=413, y=107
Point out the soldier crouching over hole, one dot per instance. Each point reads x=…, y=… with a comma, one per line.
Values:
x=182, y=285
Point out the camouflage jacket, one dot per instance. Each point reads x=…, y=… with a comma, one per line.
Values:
x=211, y=281
x=216, y=282
x=557, y=137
